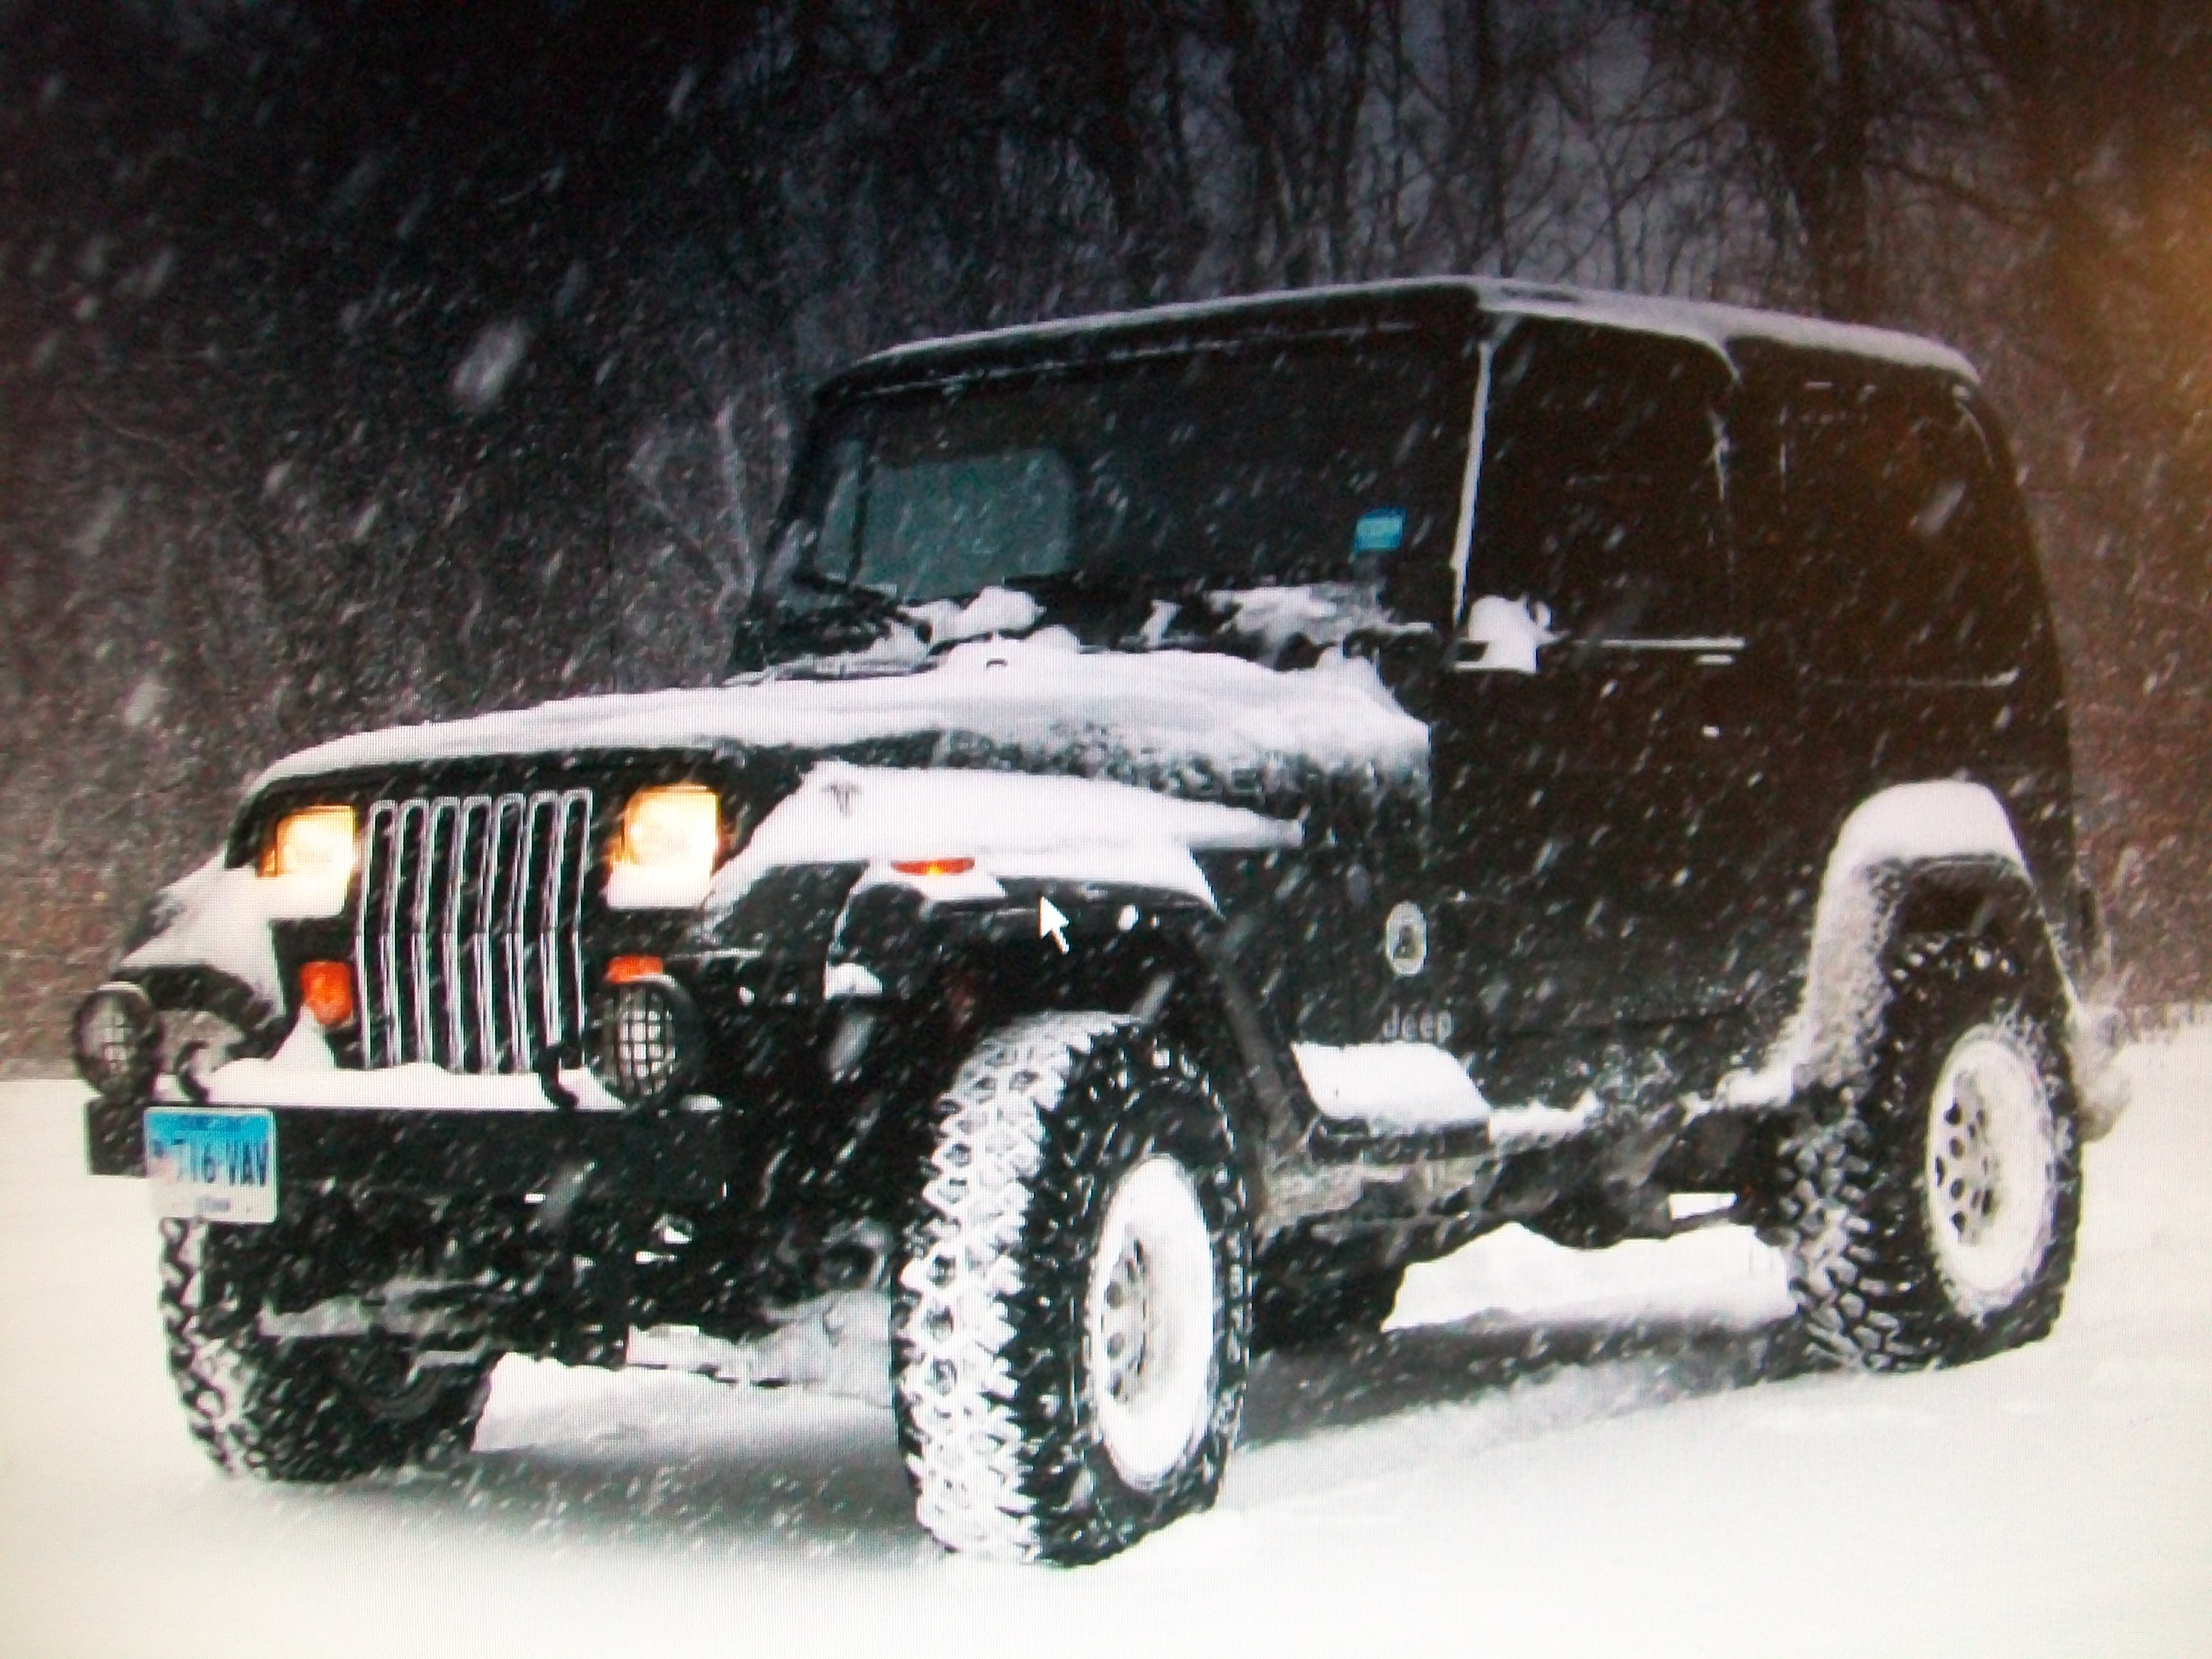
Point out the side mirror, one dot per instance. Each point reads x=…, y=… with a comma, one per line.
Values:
x=1502, y=636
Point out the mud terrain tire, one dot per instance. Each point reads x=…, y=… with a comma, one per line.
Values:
x=1931, y=1220
x=1072, y=1315
x=302, y=1410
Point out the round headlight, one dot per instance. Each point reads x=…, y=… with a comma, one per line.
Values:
x=648, y=1042
x=117, y=1039
x=673, y=839
x=314, y=841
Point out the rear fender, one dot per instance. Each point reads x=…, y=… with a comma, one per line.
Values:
x=1938, y=857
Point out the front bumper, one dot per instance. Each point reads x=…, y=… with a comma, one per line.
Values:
x=677, y=1156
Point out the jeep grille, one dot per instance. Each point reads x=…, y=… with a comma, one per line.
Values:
x=467, y=947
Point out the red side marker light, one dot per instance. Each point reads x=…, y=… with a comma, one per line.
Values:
x=622, y=970
x=932, y=866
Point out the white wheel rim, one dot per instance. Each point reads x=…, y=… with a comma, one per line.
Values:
x=1992, y=1173
x=1151, y=1322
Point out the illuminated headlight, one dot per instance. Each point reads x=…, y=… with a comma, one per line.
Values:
x=316, y=840
x=671, y=839
x=648, y=1041
x=117, y=1039
x=306, y=862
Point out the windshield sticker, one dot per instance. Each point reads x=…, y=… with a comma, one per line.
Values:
x=1380, y=529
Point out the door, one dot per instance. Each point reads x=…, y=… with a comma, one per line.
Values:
x=1594, y=741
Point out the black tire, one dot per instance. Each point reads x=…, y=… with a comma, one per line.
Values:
x=321, y=1409
x=1005, y=1400
x=1295, y=1308
x=1875, y=1216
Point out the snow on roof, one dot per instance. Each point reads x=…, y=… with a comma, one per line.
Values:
x=1191, y=310
x=1719, y=326
x=1168, y=706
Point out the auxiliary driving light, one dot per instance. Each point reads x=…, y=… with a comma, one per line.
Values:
x=117, y=1039
x=648, y=1041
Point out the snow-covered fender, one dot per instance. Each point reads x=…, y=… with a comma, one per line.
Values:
x=1934, y=856
x=932, y=846
x=893, y=938
x=928, y=867
x=204, y=943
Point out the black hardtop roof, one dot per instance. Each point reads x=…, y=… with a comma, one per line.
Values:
x=1443, y=302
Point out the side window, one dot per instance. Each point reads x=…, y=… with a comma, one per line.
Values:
x=1909, y=556
x=1601, y=488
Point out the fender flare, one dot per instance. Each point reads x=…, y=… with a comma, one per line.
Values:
x=1939, y=855
x=197, y=987
x=891, y=943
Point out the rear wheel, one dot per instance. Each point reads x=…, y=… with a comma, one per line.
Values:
x=1932, y=1221
x=300, y=1408
x=1072, y=1321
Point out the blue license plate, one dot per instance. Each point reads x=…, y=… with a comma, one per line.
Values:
x=205, y=1165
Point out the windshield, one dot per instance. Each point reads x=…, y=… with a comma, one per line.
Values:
x=1232, y=466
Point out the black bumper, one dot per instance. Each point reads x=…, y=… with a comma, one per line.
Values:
x=676, y=1156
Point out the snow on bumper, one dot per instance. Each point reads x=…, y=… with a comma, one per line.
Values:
x=415, y=1088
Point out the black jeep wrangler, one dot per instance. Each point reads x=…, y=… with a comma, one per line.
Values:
x=1212, y=807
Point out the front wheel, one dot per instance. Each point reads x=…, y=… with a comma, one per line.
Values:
x=1074, y=1311
x=1933, y=1221
x=309, y=1409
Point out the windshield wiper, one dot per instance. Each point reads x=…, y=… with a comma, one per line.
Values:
x=769, y=632
x=859, y=595
x=1093, y=583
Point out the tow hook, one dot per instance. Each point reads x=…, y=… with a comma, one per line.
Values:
x=547, y=1066
x=188, y=1079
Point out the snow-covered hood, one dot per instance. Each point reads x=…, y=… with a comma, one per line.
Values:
x=1142, y=715
x=1158, y=756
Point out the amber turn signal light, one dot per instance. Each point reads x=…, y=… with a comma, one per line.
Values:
x=932, y=866
x=326, y=992
x=623, y=970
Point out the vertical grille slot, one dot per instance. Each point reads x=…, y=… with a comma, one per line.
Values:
x=468, y=946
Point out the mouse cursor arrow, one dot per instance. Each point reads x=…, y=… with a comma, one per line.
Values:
x=1051, y=924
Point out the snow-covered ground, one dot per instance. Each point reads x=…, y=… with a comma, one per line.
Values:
x=1553, y=1454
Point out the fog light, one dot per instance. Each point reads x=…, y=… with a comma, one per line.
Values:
x=117, y=1039
x=648, y=1042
